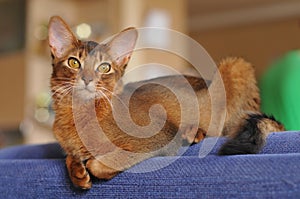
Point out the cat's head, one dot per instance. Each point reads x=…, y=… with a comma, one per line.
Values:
x=89, y=68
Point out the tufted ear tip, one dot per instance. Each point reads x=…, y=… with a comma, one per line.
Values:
x=129, y=29
x=122, y=45
x=55, y=18
x=61, y=39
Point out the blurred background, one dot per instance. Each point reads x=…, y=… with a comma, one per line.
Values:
x=259, y=30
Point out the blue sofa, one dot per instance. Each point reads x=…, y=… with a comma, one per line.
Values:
x=38, y=171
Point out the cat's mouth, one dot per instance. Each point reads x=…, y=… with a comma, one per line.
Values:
x=88, y=94
x=88, y=90
x=85, y=93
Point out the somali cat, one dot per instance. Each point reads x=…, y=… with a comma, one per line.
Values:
x=105, y=127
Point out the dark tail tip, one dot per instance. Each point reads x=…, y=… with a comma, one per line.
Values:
x=251, y=137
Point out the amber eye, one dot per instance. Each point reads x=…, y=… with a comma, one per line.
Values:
x=73, y=63
x=104, y=67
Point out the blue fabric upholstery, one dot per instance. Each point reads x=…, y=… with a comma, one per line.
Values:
x=38, y=171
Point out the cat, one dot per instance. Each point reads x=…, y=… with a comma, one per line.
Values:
x=90, y=107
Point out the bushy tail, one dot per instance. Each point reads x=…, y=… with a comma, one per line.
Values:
x=250, y=138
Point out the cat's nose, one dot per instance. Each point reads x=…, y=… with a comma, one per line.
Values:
x=87, y=80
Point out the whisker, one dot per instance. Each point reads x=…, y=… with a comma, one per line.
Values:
x=65, y=93
x=56, y=91
x=105, y=96
x=62, y=78
x=115, y=95
x=59, y=89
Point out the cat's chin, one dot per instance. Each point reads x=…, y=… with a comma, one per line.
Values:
x=84, y=95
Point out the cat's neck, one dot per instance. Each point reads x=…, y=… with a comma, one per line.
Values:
x=84, y=108
x=100, y=106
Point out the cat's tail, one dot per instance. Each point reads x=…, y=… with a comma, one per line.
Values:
x=251, y=136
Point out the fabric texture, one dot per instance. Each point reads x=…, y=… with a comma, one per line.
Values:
x=38, y=171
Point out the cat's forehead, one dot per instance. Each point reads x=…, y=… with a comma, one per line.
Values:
x=92, y=50
x=91, y=46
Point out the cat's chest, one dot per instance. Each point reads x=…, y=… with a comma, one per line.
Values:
x=78, y=118
x=80, y=130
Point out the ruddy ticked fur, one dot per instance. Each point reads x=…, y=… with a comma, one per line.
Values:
x=105, y=127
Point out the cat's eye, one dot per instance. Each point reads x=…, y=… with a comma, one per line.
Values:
x=73, y=63
x=104, y=68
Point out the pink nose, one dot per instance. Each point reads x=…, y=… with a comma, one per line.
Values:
x=87, y=80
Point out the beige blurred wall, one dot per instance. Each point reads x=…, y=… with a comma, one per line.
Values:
x=12, y=80
x=258, y=30
x=259, y=43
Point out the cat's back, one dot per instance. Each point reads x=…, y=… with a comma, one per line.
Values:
x=170, y=92
x=166, y=91
x=174, y=83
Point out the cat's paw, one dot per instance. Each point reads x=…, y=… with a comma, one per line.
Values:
x=81, y=178
x=78, y=174
x=100, y=170
x=193, y=134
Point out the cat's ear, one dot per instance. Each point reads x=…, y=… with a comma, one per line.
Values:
x=121, y=46
x=61, y=38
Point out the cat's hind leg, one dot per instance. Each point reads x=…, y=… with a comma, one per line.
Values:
x=192, y=134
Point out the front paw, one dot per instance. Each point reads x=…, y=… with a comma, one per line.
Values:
x=78, y=173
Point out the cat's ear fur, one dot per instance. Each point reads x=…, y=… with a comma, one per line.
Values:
x=122, y=45
x=61, y=38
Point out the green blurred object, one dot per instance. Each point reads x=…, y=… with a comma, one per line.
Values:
x=280, y=90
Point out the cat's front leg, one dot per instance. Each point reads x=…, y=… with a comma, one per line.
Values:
x=100, y=170
x=78, y=173
x=109, y=165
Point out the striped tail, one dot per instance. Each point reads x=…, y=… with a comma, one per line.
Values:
x=250, y=138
